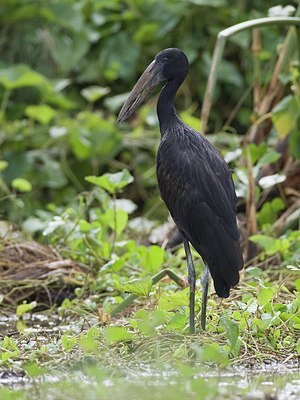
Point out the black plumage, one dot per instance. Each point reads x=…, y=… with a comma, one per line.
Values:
x=194, y=181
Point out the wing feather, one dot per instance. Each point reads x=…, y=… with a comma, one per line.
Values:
x=196, y=185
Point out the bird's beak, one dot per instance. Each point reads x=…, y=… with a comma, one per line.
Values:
x=149, y=79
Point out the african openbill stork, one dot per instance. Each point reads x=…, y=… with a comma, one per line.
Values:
x=194, y=181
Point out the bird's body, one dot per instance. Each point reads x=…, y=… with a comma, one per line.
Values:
x=194, y=181
x=196, y=186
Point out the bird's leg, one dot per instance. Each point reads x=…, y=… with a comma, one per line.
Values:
x=205, y=282
x=192, y=283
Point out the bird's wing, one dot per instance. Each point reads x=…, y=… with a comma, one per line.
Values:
x=196, y=185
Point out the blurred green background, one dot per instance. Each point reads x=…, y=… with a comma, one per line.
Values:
x=66, y=67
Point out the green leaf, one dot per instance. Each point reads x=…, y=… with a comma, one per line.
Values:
x=21, y=184
x=41, y=113
x=3, y=165
x=154, y=258
x=232, y=332
x=269, y=211
x=112, y=183
x=140, y=287
x=25, y=307
x=269, y=158
x=18, y=76
x=192, y=121
x=114, y=334
x=264, y=296
x=178, y=323
x=68, y=342
x=213, y=352
x=118, y=220
x=94, y=93
x=90, y=341
x=285, y=115
x=270, y=245
x=171, y=301
x=33, y=369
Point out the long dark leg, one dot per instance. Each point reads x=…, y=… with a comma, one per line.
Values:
x=205, y=282
x=192, y=282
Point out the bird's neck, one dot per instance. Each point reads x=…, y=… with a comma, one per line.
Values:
x=165, y=106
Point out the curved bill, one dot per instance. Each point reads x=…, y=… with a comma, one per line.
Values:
x=148, y=80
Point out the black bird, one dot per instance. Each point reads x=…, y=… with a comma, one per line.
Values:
x=194, y=181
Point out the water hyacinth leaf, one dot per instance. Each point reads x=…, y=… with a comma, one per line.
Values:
x=271, y=180
x=22, y=185
x=94, y=93
x=25, y=307
x=112, y=183
x=264, y=296
x=114, y=334
x=41, y=113
x=140, y=287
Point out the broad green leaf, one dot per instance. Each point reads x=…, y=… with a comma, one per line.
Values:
x=269, y=211
x=171, y=301
x=270, y=245
x=68, y=49
x=90, y=135
x=94, y=93
x=269, y=158
x=178, y=323
x=33, y=369
x=68, y=342
x=264, y=296
x=41, y=113
x=232, y=332
x=3, y=165
x=154, y=258
x=25, y=307
x=22, y=185
x=18, y=76
x=285, y=115
x=140, y=287
x=114, y=334
x=213, y=352
x=147, y=322
x=118, y=220
x=90, y=341
x=192, y=121
x=112, y=183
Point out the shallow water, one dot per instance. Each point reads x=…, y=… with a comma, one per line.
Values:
x=90, y=380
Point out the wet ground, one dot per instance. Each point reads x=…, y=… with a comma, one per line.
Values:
x=90, y=380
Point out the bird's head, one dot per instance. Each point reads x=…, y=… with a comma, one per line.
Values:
x=168, y=64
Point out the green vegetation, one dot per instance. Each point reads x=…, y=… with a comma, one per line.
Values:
x=81, y=218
